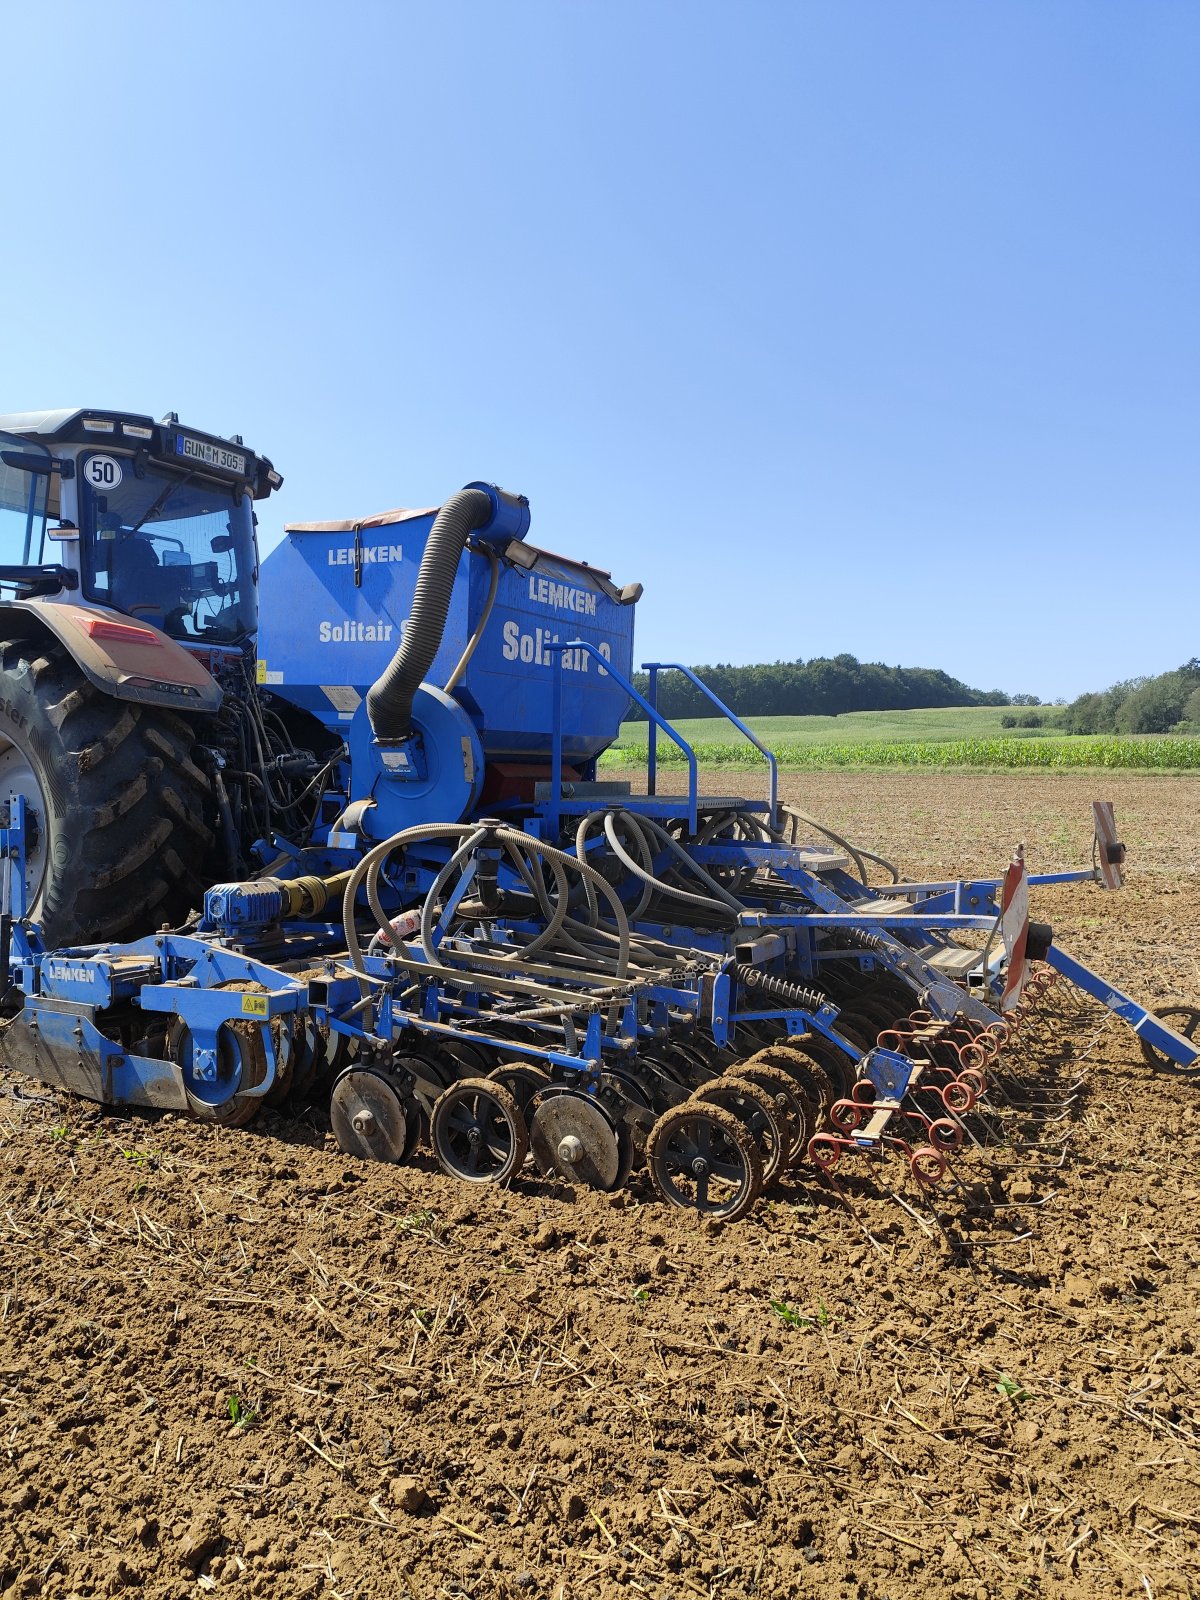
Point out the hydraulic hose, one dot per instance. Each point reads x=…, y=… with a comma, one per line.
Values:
x=860, y=854
x=650, y=884
x=648, y=878
x=368, y=869
x=428, y=830
x=694, y=867
x=429, y=908
x=555, y=915
x=390, y=697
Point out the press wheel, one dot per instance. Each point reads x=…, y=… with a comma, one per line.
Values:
x=701, y=1158
x=755, y=1108
x=522, y=1080
x=814, y=1081
x=798, y=1113
x=1184, y=1020
x=838, y=1066
x=462, y=1059
x=477, y=1132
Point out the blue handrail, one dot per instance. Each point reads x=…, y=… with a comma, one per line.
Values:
x=656, y=720
x=654, y=668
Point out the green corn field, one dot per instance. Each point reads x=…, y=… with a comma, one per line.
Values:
x=1169, y=752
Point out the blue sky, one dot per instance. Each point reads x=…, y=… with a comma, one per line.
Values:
x=853, y=326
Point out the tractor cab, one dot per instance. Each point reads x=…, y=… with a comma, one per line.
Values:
x=149, y=519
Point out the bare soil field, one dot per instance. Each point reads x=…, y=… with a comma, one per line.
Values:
x=240, y=1363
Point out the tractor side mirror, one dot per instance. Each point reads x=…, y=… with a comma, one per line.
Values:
x=31, y=461
x=222, y=542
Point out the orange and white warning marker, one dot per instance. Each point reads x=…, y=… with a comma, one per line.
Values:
x=1014, y=927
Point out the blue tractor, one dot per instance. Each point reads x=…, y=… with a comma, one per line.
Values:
x=361, y=845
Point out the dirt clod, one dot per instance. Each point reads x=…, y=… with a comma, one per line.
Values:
x=408, y=1493
x=204, y=1535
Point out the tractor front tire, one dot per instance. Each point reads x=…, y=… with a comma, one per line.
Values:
x=120, y=813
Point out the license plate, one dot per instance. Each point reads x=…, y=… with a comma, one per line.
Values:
x=210, y=455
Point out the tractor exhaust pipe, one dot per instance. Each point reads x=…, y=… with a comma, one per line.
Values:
x=479, y=508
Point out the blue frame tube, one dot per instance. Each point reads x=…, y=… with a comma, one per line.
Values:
x=1144, y=1023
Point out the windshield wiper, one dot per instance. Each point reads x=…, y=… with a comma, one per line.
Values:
x=158, y=504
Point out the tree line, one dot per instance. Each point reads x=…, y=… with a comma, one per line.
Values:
x=1168, y=703
x=822, y=687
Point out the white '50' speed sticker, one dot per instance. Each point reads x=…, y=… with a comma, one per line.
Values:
x=103, y=472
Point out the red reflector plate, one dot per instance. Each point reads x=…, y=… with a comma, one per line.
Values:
x=102, y=628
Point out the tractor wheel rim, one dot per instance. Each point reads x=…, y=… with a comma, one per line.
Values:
x=18, y=777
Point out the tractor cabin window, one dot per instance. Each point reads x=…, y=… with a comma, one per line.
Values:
x=170, y=548
x=25, y=484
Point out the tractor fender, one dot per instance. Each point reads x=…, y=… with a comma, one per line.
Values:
x=127, y=659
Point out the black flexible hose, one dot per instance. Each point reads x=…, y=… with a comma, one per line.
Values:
x=390, y=697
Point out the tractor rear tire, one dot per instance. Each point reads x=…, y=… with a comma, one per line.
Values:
x=121, y=814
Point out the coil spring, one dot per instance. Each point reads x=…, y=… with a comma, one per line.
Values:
x=793, y=994
x=859, y=939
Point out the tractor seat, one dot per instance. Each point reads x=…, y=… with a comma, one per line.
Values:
x=140, y=586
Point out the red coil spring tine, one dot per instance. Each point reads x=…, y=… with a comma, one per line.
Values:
x=958, y=1096
x=825, y=1151
x=986, y=1040
x=898, y=1142
x=971, y=1055
x=928, y=1166
x=975, y=1079
x=846, y=1115
x=890, y=1033
x=945, y=1135
x=938, y=1072
x=863, y=1092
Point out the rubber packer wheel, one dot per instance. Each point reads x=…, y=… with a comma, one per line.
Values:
x=805, y=1070
x=522, y=1080
x=799, y=1113
x=122, y=813
x=477, y=1132
x=701, y=1158
x=754, y=1108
